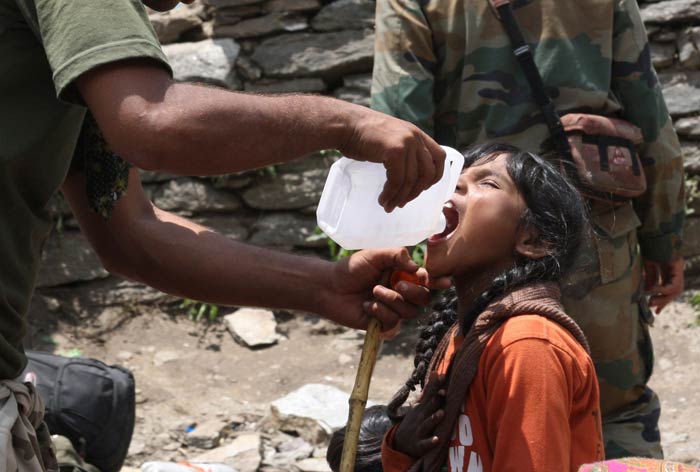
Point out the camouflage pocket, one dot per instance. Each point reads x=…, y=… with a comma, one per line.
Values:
x=616, y=241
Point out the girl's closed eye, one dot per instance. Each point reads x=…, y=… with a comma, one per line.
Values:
x=490, y=183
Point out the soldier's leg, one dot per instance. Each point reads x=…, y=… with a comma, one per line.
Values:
x=604, y=295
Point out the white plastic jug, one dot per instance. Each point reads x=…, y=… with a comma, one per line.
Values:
x=350, y=214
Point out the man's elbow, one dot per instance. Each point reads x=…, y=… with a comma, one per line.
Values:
x=147, y=138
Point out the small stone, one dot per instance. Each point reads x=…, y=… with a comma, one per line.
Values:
x=285, y=230
x=671, y=11
x=682, y=92
x=664, y=363
x=691, y=157
x=326, y=55
x=253, y=327
x=52, y=304
x=313, y=411
x=172, y=446
x=345, y=14
x=287, y=191
x=125, y=355
x=688, y=54
x=664, y=36
x=247, y=69
x=358, y=81
x=194, y=196
x=136, y=447
x=243, y=453
x=205, y=435
x=310, y=85
x=662, y=54
x=344, y=359
x=291, y=5
x=275, y=22
x=163, y=357
x=228, y=225
x=211, y=61
x=230, y=3
x=689, y=127
x=69, y=258
x=352, y=95
x=232, y=15
x=170, y=25
x=314, y=464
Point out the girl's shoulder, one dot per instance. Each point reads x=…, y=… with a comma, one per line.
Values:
x=526, y=330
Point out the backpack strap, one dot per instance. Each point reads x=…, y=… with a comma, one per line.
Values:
x=523, y=53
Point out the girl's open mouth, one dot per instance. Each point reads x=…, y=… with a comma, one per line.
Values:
x=452, y=218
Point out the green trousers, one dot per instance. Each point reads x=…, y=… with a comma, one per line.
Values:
x=604, y=294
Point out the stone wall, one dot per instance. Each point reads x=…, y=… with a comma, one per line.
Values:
x=315, y=46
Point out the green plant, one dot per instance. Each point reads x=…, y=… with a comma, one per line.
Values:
x=418, y=254
x=694, y=302
x=196, y=310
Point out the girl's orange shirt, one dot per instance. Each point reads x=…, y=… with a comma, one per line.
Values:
x=533, y=405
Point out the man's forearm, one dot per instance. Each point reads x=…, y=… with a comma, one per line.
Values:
x=199, y=130
x=182, y=258
x=198, y=136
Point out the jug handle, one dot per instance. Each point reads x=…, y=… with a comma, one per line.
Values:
x=456, y=159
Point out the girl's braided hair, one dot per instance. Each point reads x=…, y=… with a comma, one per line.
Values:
x=554, y=208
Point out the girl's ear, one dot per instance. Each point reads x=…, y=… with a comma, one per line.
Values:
x=528, y=244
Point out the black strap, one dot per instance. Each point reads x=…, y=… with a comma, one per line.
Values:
x=523, y=53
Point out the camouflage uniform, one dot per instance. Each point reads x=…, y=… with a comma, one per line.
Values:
x=447, y=66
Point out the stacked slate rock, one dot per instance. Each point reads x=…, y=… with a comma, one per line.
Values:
x=674, y=31
x=325, y=47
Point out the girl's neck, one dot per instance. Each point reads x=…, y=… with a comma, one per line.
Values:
x=468, y=289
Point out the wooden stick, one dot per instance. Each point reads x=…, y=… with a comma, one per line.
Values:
x=358, y=398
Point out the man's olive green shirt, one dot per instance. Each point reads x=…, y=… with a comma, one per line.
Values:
x=45, y=45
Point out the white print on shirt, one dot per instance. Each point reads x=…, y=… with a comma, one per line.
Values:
x=463, y=431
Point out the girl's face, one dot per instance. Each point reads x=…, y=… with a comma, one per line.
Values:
x=483, y=224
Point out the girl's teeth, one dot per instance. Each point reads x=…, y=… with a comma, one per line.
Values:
x=449, y=205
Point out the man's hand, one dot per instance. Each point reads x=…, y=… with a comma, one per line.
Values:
x=356, y=291
x=415, y=434
x=413, y=161
x=664, y=282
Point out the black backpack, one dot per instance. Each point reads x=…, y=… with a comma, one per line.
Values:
x=90, y=403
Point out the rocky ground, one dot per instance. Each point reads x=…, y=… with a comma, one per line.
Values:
x=196, y=377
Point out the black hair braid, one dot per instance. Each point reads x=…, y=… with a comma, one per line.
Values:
x=444, y=315
x=515, y=277
x=557, y=213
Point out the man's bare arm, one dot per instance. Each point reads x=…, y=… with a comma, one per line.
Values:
x=182, y=258
x=189, y=129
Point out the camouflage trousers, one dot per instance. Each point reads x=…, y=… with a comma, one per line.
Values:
x=604, y=294
x=25, y=444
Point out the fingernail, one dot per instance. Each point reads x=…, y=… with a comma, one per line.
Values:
x=366, y=306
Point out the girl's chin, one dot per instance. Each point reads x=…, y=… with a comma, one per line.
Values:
x=435, y=266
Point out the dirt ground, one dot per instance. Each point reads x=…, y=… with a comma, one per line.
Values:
x=189, y=372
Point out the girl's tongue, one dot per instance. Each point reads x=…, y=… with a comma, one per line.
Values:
x=452, y=219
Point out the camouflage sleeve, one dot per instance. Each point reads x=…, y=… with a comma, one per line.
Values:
x=634, y=82
x=402, y=79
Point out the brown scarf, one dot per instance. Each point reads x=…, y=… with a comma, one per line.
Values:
x=538, y=299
